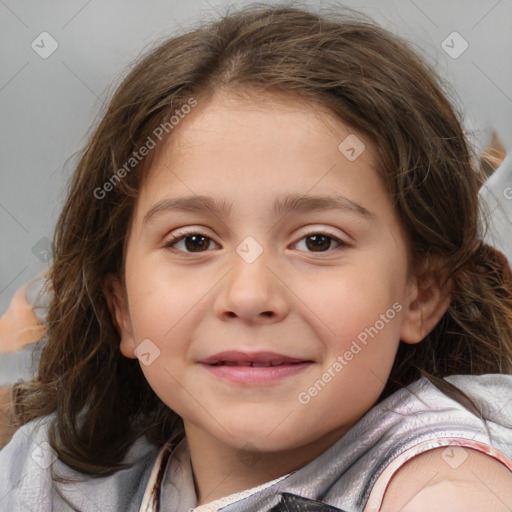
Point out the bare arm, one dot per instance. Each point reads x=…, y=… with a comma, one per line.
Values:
x=450, y=480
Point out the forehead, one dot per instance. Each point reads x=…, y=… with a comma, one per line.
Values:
x=273, y=118
x=262, y=152
x=254, y=130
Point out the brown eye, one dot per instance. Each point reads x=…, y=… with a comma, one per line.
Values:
x=193, y=242
x=320, y=242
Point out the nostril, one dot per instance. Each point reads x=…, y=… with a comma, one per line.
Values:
x=264, y=313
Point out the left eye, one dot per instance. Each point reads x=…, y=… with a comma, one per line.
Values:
x=320, y=242
x=197, y=242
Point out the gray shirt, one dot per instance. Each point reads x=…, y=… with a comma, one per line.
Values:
x=413, y=420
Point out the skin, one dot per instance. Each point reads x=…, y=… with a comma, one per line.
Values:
x=428, y=484
x=19, y=326
x=292, y=299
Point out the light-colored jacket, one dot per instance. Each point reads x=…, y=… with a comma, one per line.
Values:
x=350, y=475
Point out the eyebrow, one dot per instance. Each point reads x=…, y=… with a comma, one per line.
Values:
x=283, y=205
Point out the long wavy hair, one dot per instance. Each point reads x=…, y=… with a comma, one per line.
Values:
x=367, y=77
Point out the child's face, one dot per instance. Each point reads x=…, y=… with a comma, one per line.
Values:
x=342, y=308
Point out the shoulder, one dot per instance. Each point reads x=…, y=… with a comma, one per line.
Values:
x=422, y=464
x=28, y=465
x=23, y=463
x=455, y=479
x=24, y=441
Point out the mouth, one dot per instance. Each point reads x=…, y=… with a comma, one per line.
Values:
x=252, y=363
x=260, y=359
x=255, y=368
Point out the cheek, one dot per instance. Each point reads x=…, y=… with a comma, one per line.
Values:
x=160, y=300
x=166, y=384
x=360, y=312
x=355, y=299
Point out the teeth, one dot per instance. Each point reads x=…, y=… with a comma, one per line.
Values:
x=246, y=363
x=249, y=363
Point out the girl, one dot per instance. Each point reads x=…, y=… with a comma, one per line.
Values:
x=270, y=290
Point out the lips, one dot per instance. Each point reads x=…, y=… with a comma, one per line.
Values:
x=255, y=359
x=253, y=369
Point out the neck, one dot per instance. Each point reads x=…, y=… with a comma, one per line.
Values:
x=220, y=470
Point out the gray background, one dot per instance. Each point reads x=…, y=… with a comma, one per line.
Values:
x=48, y=106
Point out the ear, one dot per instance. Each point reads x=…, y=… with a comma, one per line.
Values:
x=428, y=300
x=118, y=307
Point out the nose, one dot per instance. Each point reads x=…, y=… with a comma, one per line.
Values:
x=252, y=292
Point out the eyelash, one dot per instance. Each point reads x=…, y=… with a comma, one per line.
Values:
x=180, y=236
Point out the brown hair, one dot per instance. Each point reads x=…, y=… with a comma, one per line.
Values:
x=359, y=72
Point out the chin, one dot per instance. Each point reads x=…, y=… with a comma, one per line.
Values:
x=255, y=438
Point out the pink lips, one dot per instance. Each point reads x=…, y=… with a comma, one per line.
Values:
x=256, y=367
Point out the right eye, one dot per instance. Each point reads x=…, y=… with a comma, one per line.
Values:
x=191, y=241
